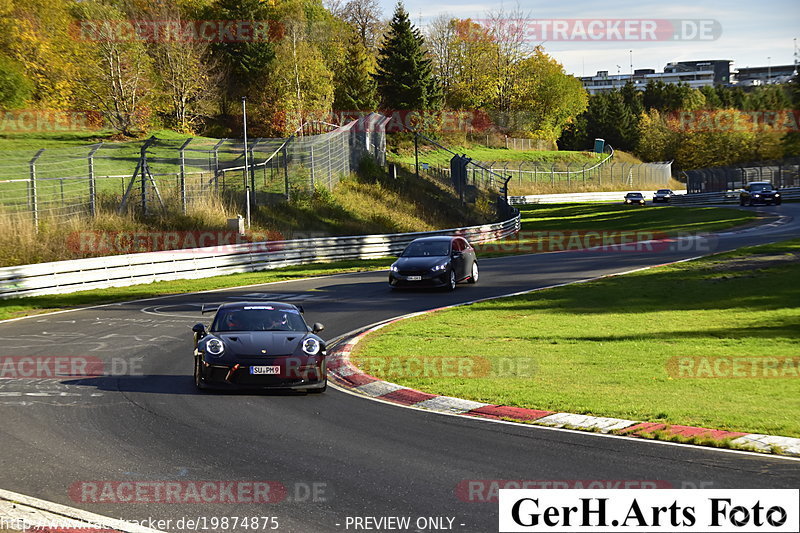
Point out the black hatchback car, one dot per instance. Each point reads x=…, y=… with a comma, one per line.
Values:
x=634, y=198
x=759, y=192
x=260, y=346
x=663, y=195
x=435, y=262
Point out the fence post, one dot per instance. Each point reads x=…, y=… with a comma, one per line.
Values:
x=216, y=166
x=312, y=167
x=330, y=171
x=553, y=175
x=254, y=198
x=34, y=199
x=92, y=184
x=285, y=172
x=182, y=175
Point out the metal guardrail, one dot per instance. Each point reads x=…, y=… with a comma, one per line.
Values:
x=578, y=197
x=730, y=197
x=124, y=270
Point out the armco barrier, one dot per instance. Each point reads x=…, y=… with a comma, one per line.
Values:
x=731, y=197
x=578, y=197
x=131, y=269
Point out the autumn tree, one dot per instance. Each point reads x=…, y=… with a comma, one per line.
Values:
x=245, y=63
x=365, y=17
x=118, y=77
x=15, y=89
x=41, y=37
x=299, y=85
x=544, y=98
x=474, y=83
x=182, y=68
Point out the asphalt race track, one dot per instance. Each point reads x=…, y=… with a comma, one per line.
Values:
x=337, y=455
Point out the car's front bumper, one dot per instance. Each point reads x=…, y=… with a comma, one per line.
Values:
x=238, y=376
x=764, y=200
x=427, y=280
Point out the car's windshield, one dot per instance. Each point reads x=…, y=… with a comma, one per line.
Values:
x=427, y=249
x=664, y=191
x=756, y=187
x=634, y=195
x=259, y=318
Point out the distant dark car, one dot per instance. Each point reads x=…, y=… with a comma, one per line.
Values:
x=663, y=195
x=759, y=192
x=260, y=346
x=435, y=262
x=634, y=198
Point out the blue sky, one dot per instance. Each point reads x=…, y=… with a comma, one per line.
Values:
x=752, y=30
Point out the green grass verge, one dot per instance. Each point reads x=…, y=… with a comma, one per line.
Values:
x=542, y=223
x=609, y=347
x=482, y=153
x=17, y=307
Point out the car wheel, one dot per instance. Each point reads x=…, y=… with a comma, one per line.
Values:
x=778, y=202
x=319, y=390
x=751, y=203
x=198, y=378
x=475, y=274
x=741, y=202
x=451, y=285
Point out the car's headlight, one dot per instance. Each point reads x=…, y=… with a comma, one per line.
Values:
x=757, y=195
x=777, y=194
x=311, y=346
x=394, y=268
x=627, y=201
x=438, y=268
x=215, y=346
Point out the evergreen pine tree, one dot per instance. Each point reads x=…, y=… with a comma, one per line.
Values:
x=355, y=88
x=405, y=73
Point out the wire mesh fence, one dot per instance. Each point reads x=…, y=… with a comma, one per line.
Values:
x=601, y=173
x=181, y=173
x=782, y=174
x=499, y=140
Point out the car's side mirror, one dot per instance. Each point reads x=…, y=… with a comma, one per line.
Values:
x=317, y=327
x=200, y=329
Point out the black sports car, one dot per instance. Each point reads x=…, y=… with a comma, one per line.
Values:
x=634, y=198
x=759, y=192
x=435, y=262
x=663, y=195
x=260, y=346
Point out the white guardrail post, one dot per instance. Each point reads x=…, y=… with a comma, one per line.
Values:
x=63, y=277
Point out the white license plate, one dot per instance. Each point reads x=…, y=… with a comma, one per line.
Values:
x=414, y=278
x=265, y=370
